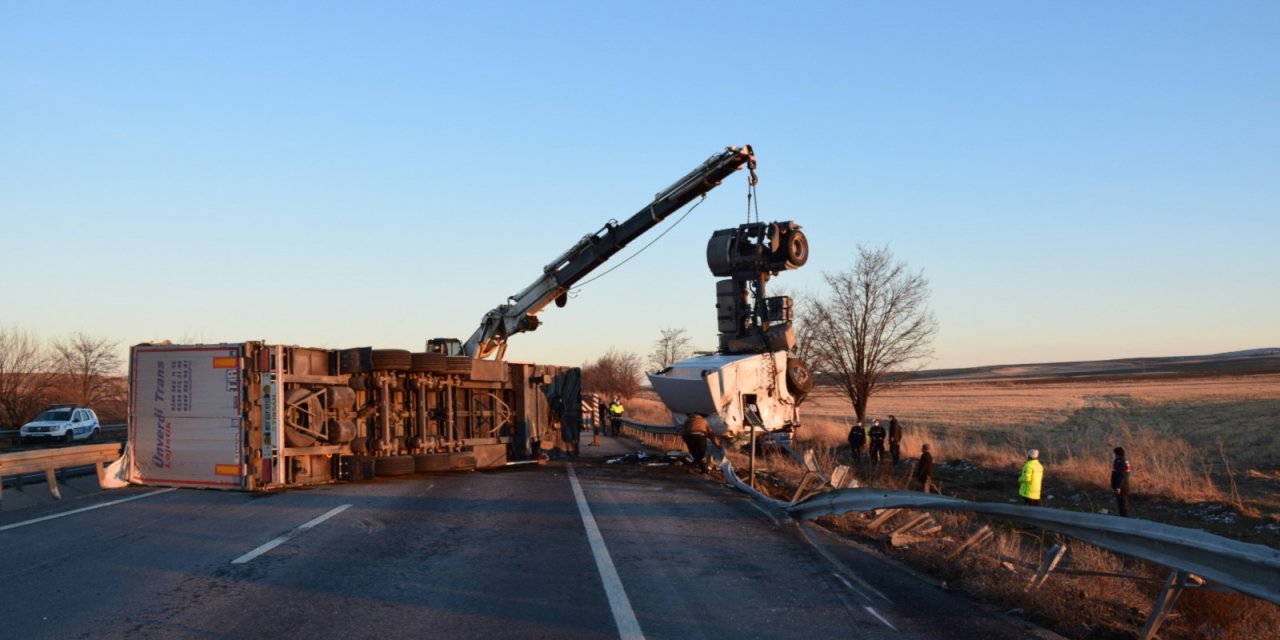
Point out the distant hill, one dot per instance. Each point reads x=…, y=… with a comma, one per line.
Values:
x=1252, y=361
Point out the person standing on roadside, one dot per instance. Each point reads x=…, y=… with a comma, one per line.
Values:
x=877, y=434
x=1120, y=482
x=857, y=438
x=615, y=412
x=1029, y=481
x=895, y=439
x=924, y=470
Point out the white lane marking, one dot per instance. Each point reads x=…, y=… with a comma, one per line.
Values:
x=623, y=616
x=776, y=522
x=880, y=617
x=285, y=538
x=84, y=509
x=840, y=567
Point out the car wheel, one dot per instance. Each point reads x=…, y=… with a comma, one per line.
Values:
x=93, y=435
x=69, y=437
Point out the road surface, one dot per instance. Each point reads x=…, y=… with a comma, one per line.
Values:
x=570, y=550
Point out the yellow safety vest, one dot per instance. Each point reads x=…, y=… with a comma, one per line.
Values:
x=1029, y=481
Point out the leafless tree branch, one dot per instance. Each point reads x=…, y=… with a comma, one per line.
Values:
x=872, y=326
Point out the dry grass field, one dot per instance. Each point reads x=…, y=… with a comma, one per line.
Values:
x=1188, y=439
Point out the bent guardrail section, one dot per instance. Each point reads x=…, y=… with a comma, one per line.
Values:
x=1252, y=569
x=50, y=460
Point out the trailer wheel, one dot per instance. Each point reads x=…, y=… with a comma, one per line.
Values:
x=393, y=466
x=429, y=362
x=427, y=462
x=799, y=379
x=391, y=359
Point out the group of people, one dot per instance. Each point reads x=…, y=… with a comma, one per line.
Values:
x=596, y=417
x=610, y=415
x=1032, y=477
x=876, y=435
x=875, y=438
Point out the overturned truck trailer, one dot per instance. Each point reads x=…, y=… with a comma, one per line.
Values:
x=255, y=416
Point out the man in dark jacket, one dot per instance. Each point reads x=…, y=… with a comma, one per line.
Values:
x=1120, y=482
x=857, y=438
x=877, y=434
x=924, y=470
x=895, y=439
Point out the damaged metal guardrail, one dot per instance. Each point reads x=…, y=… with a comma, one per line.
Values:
x=1251, y=569
x=50, y=460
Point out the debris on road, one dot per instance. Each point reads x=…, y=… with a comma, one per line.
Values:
x=646, y=459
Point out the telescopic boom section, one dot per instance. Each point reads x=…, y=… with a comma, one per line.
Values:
x=519, y=314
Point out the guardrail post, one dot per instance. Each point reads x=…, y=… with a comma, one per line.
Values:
x=981, y=535
x=51, y=478
x=881, y=519
x=1047, y=565
x=1164, y=604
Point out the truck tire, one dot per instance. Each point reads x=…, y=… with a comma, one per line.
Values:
x=391, y=359
x=426, y=462
x=797, y=249
x=393, y=466
x=429, y=362
x=799, y=379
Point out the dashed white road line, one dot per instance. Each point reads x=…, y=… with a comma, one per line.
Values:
x=623, y=616
x=84, y=509
x=286, y=537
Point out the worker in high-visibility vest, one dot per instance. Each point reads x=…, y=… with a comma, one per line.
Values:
x=615, y=412
x=1029, y=481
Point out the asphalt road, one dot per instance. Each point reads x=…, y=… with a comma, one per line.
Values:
x=581, y=550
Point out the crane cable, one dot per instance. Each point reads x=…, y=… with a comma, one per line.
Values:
x=574, y=290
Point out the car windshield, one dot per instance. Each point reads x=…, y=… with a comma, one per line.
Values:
x=55, y=415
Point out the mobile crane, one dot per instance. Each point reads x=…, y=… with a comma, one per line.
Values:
x=258, y=416
x=519, y=314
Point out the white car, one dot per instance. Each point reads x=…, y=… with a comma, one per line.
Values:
x=60, y=422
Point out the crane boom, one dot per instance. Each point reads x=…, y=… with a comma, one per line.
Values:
x=519, y=314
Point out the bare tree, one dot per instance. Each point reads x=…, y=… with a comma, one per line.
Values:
x=24, y=376
x=673, y=346
x=616, y=373
x=873, y=325
x=89, y=367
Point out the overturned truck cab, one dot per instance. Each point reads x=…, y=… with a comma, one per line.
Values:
x=754, y=382
x=255, y=416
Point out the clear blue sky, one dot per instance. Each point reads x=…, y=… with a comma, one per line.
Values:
x=1076, y=180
